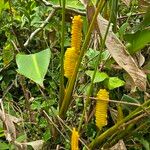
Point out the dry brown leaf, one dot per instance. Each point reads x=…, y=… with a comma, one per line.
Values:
x=119, y=146
x=122, y=57
x=143, y=4
x=118, y=51
x=127, y=2
x=10, y=130
x=36, y=145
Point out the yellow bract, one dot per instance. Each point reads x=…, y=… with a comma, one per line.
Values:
x=70, y=62
x=72, y=54
x=76, y=32
x=74, y=140
x=101, y=108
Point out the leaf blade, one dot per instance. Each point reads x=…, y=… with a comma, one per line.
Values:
x=34, y=66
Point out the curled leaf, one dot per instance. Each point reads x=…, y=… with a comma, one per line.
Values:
x=122, y=57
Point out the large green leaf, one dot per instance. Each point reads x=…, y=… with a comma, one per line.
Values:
x=99, y=77
x=114, y=82
x=138, y=40
x=34, y=66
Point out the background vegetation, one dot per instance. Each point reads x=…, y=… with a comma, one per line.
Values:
x=39, y=106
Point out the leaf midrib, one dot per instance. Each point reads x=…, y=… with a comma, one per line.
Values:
x=36, y=66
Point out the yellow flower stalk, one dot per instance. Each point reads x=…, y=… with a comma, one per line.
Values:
x=101, y=108
x=70, y=60
x=76, y=32
x=74, y=140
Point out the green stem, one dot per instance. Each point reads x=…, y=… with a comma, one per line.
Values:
x=128, y=131
x=114, y=11
x=120, y=134
x=67, y=98
x=93, y=77
x=98, y=141
x=62, y=54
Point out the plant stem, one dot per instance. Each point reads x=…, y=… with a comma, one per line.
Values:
x=67, y=98
x=93, y=77
x=98, y=141
x=62, y=54
x=114, y=11
x=120, y=134
x=124, y=132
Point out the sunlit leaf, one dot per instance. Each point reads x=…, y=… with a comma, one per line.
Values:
x=34, y=66
x=114, y=82
x=99, y=77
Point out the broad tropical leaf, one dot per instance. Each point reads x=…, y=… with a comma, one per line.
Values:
x=34, y=66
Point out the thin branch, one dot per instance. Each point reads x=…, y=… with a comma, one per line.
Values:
x=132, y=15
x=68, y=9
x=7, y=89
x=113, y=101
x=40, y=28
x=135, y=119
x=15, y=46
x=55, y=8
x=51, y=121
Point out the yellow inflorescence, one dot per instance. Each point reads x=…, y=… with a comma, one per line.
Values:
x=74, y=140
x=70, y=62
x=72, y=54
x=101, y=108
x=76, y=32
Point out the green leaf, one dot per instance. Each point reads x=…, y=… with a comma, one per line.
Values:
x=75, y=4
x=21, y=138
x=47, y=135
x=127, y=98
x=138, y=40
x=8, y=53
x=34, y=66
x=91, y=53
x=3, y=5
x=144, y=142
x=114, y=82
x=146, y=19
x=36, y=105
x=99, y=77
x=122, y=29
x=4, y=146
